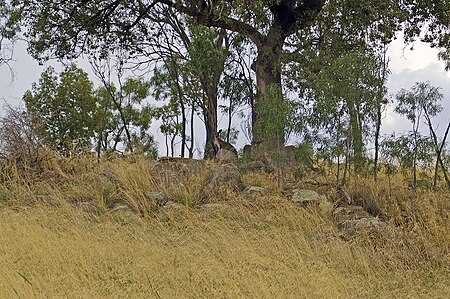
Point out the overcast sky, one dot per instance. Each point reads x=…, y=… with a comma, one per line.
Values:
x=407, y=67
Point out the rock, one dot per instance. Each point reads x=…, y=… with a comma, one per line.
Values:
x=159, y=198
x=255, y=190
x=225, y=175
x=305, y=197
x=87, y=207
x=255, y=166
x=109, y=175
x=42, y=200
x=173, y=173
x=289, y=152
x=120, y=208
x=350, y=228
x=352, y=219
x=209, y=207
x=169, y=206
x=342, y=214
x=226, y=156
x=326, y=207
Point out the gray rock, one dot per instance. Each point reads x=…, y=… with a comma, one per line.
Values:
x=42, y=200
x=305, y=197
x=226, y=156
x=342, y=214
x=209, y=207
x=255, y=190
x=225, y=175
x=352, y=219
x=120, y=208
x=159, y=198
x=255, y=166
x=170, y=205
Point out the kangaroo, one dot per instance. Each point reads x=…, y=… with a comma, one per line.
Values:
x=225, y=152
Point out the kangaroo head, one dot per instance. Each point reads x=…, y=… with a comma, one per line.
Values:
x=216, y=141
x=219, y=144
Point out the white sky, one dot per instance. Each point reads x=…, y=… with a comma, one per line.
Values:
x=407, y=67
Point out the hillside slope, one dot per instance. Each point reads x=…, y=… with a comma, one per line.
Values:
x=262, y=247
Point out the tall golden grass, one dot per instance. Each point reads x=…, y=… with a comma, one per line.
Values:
x=263, y=247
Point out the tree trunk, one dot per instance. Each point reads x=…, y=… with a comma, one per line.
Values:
x=439, y=159
x=358, y=146
x=191, y=148
x=182, y=106
x=210, y=116
x=267, y=114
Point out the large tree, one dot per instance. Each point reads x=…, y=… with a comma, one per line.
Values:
x=277, y=28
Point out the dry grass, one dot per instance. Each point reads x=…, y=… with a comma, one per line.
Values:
x=264, y=248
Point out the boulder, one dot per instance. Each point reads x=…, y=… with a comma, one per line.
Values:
x=256, y=166
x=173, y=173
x=255, y=190
x=351, y=220
x=158, y=198
x=222, y=176
x=117, y=208
x=305, y=197
x=226, y=156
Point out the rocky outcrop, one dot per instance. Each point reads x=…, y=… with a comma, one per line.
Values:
x=352, y=220
x=307, y=198
x=222, y=176
x=257, y=166
x=225, y=156
x=173, y=173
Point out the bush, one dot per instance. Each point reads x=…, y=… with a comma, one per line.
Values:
x=18, y=137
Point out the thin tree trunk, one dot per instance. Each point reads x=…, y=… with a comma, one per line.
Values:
x=347, y=154
x=230, y=116
x=167, y=145
x=182, y=107
x=377, y=145
x=191, y=148
x=383, y=76
x=439, y=159
x=357, y=138
x=437, y=148
x=414, y=181
x=100, y=133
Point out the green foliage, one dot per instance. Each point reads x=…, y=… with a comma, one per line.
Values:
x=275, y=112
x=125, y=107
x=412, y=104
x=428, y=20
x=401, y=150
x=346, y=100
x=5, y=195
x=66, y=106
x=205, y=58
x=305, y=154
x=164, y=89
x=9, y=30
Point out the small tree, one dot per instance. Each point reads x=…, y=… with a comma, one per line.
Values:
x=126, y=118
x=67, y=108
x=413, y=104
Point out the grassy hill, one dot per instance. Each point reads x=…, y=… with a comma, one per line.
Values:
x=60, y=238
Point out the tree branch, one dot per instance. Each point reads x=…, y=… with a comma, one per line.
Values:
x=205, y=16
